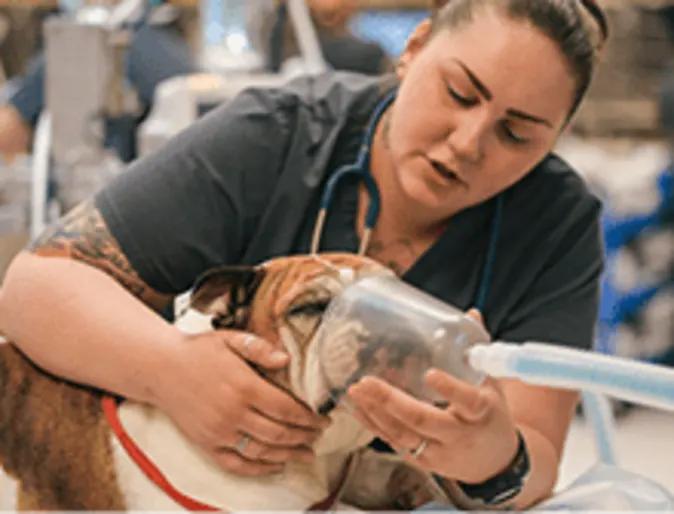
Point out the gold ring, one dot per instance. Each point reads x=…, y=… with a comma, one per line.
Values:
x=416, y=453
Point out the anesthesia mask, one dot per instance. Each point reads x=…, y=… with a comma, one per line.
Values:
x=380, y=326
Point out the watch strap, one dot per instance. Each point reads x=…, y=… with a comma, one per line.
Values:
x=507, y=484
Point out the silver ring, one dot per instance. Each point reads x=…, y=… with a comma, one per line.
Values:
x=416, y=453
x=247, y=343
x=241, y=445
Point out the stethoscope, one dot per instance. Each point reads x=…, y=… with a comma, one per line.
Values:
x=361, y=170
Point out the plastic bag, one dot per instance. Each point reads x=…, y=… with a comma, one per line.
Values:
x=601, y=490
x=605, y=487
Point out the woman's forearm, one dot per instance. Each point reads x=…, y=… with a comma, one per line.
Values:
x=544, y=464
x=77, y=322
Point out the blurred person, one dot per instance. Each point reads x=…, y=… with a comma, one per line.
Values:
x=158, y=52
x=342, y=50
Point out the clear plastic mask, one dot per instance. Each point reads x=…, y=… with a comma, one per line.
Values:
x=380, y=326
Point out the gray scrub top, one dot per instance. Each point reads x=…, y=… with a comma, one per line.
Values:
x=243, y=184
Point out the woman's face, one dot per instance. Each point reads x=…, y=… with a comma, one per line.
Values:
x=477, y=109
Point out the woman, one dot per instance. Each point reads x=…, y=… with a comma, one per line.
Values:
x=341, y=49
x=474, y=210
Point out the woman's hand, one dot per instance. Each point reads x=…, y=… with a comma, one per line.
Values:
x=246, y=424
x=471, y=440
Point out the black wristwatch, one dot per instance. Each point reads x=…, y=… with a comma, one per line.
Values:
x=507, y=484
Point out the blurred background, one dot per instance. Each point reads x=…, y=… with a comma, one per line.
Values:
x=88, y=86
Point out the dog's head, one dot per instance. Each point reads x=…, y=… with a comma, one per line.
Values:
x=283, y=301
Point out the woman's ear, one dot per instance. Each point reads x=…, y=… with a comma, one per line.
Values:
x=416, y=41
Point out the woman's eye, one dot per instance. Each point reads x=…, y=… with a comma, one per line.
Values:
x=513, y=136
x=463, y=100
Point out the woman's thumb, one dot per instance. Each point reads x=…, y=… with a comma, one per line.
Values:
x=258, y=351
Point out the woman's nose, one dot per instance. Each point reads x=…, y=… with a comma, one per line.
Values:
x=467, y=139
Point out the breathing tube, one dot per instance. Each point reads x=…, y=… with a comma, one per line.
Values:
x=567, y=368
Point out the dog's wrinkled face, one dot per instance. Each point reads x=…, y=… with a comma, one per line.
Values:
x=283, y=302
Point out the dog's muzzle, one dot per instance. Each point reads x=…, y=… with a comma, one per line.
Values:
x=380, y=326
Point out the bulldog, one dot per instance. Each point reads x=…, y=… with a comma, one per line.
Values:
x=71, y=447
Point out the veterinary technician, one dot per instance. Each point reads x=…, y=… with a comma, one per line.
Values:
x=461, y=156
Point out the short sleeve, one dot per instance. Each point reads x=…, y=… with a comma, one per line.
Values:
x=186, y=207
x=562, y=304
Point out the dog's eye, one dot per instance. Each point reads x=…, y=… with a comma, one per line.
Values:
x=312, y=309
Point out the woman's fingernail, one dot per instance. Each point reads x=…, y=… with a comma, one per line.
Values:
x=354, y=389
x=278, y=356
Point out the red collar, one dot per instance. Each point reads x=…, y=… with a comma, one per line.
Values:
x=158, y=478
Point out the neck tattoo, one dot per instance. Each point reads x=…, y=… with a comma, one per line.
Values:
x=397, y=255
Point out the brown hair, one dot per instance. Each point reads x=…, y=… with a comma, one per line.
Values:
x=578, y=27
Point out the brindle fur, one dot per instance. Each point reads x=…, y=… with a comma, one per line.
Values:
x=52, y=433
x=54, y=439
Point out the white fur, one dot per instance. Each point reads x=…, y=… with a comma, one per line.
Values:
x=138, y=491
x=192, y=473
x=345, y=434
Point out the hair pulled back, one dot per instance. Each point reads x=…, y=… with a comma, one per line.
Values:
x=577, y=27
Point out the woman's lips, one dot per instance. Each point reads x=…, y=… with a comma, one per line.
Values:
x=445, y=172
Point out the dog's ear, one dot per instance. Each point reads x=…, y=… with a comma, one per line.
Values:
x=225, y=291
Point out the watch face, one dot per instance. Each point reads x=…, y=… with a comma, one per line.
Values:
x=504, y=497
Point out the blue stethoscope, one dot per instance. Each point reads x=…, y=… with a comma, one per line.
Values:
x=361, y=170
